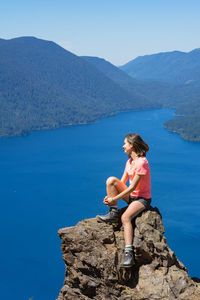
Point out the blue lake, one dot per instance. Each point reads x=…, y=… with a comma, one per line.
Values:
x=53, y=179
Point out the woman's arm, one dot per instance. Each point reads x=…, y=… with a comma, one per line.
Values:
x=131, y=188
x=136, y=180
x=124, y=177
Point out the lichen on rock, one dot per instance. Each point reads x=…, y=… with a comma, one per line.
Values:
x=92, y=253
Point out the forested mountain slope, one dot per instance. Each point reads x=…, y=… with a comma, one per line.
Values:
x=174, y=67
x=184, y=98
x=158, y=93
x=44, y=86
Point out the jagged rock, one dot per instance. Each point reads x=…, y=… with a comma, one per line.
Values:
x=92, y=252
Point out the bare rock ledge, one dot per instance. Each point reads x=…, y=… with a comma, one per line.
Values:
x=92, y=253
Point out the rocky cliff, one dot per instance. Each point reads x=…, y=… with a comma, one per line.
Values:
x=92, y=252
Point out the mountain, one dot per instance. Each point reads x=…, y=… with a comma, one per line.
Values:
x=155, y=93
x=184, y=98
x=182, y=69
x=174, y=67
x=92, y=252
x=44, y=86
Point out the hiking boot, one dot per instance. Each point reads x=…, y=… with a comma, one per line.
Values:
x=111, y=217
x=128, y=259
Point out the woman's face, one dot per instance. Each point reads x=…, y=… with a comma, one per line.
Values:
x=128, y=148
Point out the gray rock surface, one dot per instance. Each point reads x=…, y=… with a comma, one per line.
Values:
x=92, y=253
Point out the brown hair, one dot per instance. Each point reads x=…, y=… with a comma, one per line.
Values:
x=140, y=147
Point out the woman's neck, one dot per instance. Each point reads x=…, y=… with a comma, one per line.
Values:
x=134, y=156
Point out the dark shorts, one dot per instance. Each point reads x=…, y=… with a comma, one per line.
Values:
x=146, y=202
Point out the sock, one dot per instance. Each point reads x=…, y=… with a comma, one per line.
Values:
x=129, y=248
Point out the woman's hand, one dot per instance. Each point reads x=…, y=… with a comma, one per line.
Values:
x=108, y=201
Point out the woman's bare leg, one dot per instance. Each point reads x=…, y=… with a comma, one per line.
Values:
x=132, y=211
x=114, y=186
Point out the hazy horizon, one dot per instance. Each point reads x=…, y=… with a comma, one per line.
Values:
x=114, y=30
x=103, y=57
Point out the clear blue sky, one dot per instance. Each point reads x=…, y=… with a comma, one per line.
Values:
x=117, y=30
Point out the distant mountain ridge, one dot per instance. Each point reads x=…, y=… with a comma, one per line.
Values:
x=44, y=86
x=172, y=67
x=151, y=91
x=185, y=98
x=125, y=81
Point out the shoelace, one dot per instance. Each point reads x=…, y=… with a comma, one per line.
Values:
x=127, y=252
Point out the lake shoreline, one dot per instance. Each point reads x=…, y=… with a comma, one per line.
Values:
x=29, y=132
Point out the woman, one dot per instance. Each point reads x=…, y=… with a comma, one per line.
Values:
x=137, y=195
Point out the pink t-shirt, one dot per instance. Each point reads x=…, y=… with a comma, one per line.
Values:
x=141, y=167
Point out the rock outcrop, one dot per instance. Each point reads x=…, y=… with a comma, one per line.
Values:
x=92, y=253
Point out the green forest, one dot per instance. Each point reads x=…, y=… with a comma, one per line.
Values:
x=43, y=86
x=187, y=127
x=184, y=98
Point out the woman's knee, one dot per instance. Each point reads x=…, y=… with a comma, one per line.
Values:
x=125, y=219
x=111, y=180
